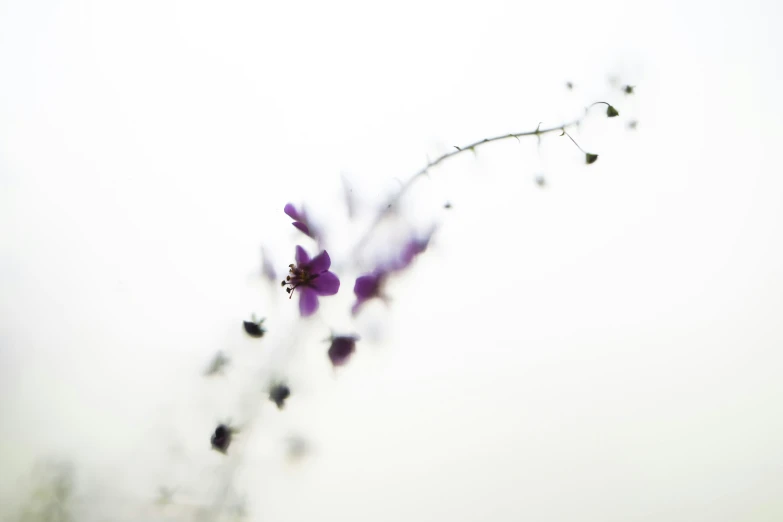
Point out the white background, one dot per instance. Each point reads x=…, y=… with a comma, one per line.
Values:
x=607, y=348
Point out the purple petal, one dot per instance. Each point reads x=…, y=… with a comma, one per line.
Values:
x=292, y=213
x=301, y=226
x=320, y=263
x=411, y=249
x=308, y=301
x=325, y=284
x=302, y=257
x=367, y=286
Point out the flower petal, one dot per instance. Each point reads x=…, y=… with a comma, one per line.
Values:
x=327, y=283
x=308, y=301
x=301, y=226
x=290, y=209
x=320, y=263
x=302, y=257
x=367, y=286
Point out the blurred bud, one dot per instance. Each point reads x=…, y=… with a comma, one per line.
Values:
x=254, y=329
x=632, y=124
x=278, y=394
x=218, y=363
x=540, y=180
x=569, y=86
x=267, y=267
x=341, y=349
x=221, y=439
x=590, y=158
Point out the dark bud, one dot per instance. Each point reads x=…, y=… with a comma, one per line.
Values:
x=278, y=394
x=341, y=350
x=254, y=329
x=590, y=158
x=611, y=112
x=628, y=89
x=221, y=439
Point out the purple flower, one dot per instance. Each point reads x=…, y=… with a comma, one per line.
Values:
x=300, y=219
x=312, y=278
x=368, y=287
x=411, y=249
x=341, y=349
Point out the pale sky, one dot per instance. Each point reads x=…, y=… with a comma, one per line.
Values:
x=607, y=348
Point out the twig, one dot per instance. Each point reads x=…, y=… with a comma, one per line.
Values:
x=458, y=150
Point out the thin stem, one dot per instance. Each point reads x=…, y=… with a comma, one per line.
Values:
x=459, y=150
x=575, y=143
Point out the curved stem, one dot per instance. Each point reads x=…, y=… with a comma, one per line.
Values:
x=458, y=150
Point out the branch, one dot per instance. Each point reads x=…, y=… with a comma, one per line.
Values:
x=459, y=150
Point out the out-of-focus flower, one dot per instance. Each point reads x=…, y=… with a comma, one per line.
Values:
x=278, y=394
x=412, y=248
x=341, y=349
x=370, y=286
x=221, y=439
x=300, y=219
x=312, y=278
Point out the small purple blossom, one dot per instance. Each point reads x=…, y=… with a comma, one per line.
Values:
x=312, y=278
x=341, y=349
x=412, y=248
x=300, y=219
x=368, y=286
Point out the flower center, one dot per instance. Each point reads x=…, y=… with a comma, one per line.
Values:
x=296, y=276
